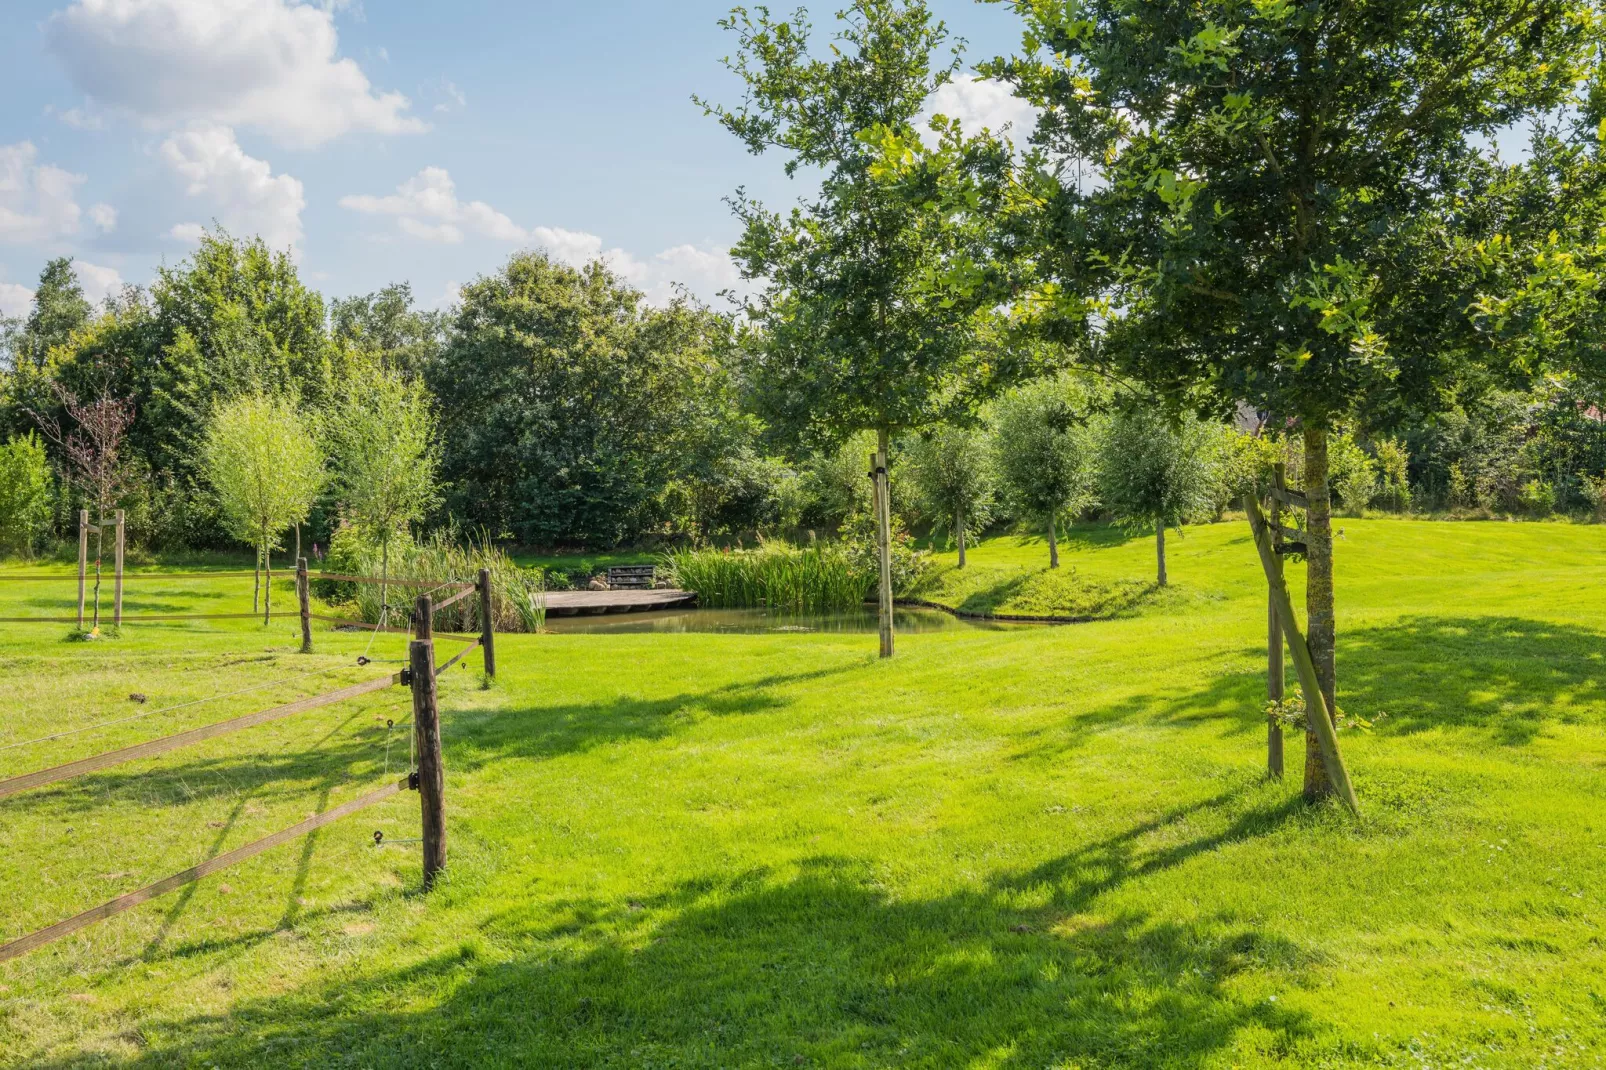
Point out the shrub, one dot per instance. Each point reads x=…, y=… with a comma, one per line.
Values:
x=26, y=494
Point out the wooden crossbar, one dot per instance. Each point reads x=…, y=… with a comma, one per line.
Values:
x=98, y=762
x=458, y=597
x=38, y=939
x=459, y=656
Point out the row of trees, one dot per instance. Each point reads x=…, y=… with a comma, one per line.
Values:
x=1049, y=452
x=268, y=465
x=1289, y=207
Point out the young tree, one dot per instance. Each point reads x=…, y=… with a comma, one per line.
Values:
x=1045, y=454
x=266, y=467
x=25, y=494
x=953, y=473
x=95, y=461
x=1279, y=186
x=1154, y=472
x=380, y=436
x=853, y=335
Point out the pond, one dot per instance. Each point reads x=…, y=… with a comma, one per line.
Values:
x=905, y=621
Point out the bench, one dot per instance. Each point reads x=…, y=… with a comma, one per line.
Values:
x=632, y=577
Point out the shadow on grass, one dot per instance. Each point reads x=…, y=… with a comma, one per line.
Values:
x=353, y=752
x=1507, y=676
x=814, y=966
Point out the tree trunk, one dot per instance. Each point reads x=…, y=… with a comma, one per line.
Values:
x=1320, y=629
x=298, y=543
x=959, y=534
x=256, y=580
x=1053, y=543
x=384, y=577
x=100, y=546
x=1159, y=549
x=267, y=585
x=884, y=539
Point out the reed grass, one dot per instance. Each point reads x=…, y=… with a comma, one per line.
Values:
x=792, y=579
x=519, y=594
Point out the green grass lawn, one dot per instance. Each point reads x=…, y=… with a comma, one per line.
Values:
x=1033, y=847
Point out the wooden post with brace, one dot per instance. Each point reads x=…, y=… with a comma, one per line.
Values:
x=487, y=624
x=427, y=739
x=1274, y=638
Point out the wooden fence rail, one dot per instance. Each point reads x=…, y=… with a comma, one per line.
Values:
x=44, y=936
x=85, y=766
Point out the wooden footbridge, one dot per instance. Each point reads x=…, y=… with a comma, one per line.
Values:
x=589, y=603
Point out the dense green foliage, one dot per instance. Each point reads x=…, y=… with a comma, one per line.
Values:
x=26, y=495
x=567, y=407
x=853, y=338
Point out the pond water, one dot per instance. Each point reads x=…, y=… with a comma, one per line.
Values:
x=763, y=622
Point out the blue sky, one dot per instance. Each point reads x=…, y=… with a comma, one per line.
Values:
x=385, y=140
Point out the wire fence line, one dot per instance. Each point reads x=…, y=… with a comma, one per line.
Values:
x=424, y=753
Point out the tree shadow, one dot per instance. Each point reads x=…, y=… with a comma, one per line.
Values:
x=816, y=965
x=472, y=739
x=1508, y=676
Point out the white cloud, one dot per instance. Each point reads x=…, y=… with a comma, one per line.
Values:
x=103, y=216
x=451, y=96
x=37, y=201
x=241, y=192
x=15, y=300
x=98, y=282
x=268, y=64
x=78, y=118
x=983, y=102
x=427, y=207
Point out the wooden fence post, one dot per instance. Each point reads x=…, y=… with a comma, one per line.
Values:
x=83, y=561
x=487, y=624
x=117, y=582
x=883, y=515
x=1274, y=644
x=304, y=596
x=1316, y=712
x=427, y=738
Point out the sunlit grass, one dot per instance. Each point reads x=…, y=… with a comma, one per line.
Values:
x=1033, y=847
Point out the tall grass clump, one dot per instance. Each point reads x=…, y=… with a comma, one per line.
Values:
x=441, y=558
x=791, y=579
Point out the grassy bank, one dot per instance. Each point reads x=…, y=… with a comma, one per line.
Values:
x=1018, y=848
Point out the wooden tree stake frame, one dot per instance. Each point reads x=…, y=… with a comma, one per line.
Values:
x=1316, y=712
